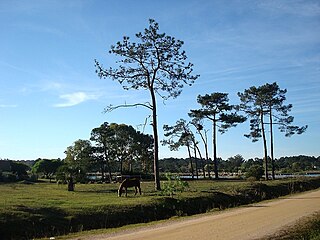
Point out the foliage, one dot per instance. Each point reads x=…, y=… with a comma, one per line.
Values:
x=255, y=171
x=19, y=169
x=119, y=147
x=216, y=108
x=180, y=135
x=104, y=147
x=268, y=100
x=76, y=163
x=173, y=185
x=233, y=164
x=154, y=63
x=47, y=167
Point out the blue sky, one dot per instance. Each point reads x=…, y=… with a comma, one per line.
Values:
x=50, y=95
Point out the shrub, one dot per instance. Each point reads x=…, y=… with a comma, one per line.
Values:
x=255, y=171
x=173, y=185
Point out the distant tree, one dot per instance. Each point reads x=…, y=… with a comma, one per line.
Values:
x=104, y=150
x=177, y=136
x=255, y=171
x=216, y=108
x=47, y=167
x=77, y=162
x=267, y=100
x=19, y=169
x=143, y=150
x=306, y=163
x=235, y=162
x=199, y=126
x=174, y=165
x=155, y=63
x=121, y=142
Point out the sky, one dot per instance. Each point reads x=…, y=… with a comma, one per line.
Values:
x=51, y=96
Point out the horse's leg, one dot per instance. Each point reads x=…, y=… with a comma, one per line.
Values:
x=126, y=191
x=139, y=190
x=135, y=187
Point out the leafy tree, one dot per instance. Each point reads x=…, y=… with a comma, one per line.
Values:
x=179, y=135
x=104, y=150
x=19, y=169
x=154, y=63
x=216, y=108
x=121, y=142
x=235, y=162
x=77, y=162
x=143, y=150
x=267, y=100
x=47, y=167
x=255, y=171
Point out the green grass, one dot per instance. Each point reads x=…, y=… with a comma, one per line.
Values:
x=48, y=195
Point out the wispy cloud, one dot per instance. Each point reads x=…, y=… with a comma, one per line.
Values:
x=302, y=8
x=8, y=105
x=76, y=98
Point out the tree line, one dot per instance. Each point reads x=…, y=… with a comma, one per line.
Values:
x=251, y=167
x=11, y=171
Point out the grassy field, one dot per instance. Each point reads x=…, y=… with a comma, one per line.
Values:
x=48, y=195
x=46, y=209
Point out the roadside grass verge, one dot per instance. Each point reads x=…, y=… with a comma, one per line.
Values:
x=44, y=210
x=307, y=228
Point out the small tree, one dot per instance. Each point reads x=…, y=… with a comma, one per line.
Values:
x=77, y=162
x=177, y=136
x=173, y=185
x=216, y=108
x=47, y=167
x=255, y=171
x=155, y=63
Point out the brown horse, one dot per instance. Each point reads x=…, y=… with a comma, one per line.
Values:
x=134, y=182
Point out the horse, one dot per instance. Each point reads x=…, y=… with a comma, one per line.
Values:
x=134, y=182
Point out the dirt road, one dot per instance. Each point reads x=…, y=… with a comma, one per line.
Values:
x=249, y=222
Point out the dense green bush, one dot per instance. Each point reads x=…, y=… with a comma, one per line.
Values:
x=254, y=171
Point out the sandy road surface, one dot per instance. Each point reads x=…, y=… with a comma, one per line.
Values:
x=249, y=222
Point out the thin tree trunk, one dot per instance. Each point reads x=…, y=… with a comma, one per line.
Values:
x=156, y=143
x=205, y=142
x=271, y=146
x=70, y=184
x=191, y=163
x=202, y=165
x=264, y=146
x=107, y=163
x=215, y=148
x=196, y=161
x=121, y=165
